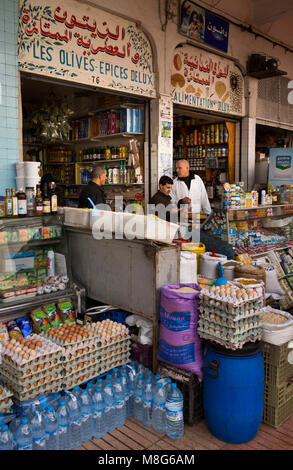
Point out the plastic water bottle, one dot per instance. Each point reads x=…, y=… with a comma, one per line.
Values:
x=38, y=430
x=75, y=422
x=138, y=410
x=23, y=435
x=63, y=419
x=124, y=383
x=51, y=428
x=122, y=369
x=76, y=391
x=159, y=411
x=148, y=374
x=6, y=438
x=98, y=408
x=147, y=402
x=131, y=380
x=115, y=375
x=90, y=389
x=85, y=401
x=174, y=413
x=119, y=403
x=99, y=383
x=109, y=407
x=167, y=385
x=140, y=369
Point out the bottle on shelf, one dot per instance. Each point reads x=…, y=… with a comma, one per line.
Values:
x=30, y=197
x=46, y=200
x=22, y=203
x=53, y=197
x=174, y=413
x=8, y=204
x=14, y=202
x=38, y=206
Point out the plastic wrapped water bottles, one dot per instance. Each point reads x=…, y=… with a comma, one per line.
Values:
x=138, y=410
x=38, y=429
x=115, y=375
x=51, y=428
x=75, y=421
x=147, y=402
x=124, y=383
x=131, y=379
x=98, y=409
x=6, y=438
x=23, y=435
x=159, y=411
x=174, y=413
x=109, y=407
x=85, y=401
x=63, y=419
x=119, y=403
x=90, y=389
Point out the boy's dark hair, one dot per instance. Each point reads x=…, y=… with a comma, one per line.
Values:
x=165, y=180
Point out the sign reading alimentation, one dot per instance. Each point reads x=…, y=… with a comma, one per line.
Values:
x=207, y=81
x=76, y=42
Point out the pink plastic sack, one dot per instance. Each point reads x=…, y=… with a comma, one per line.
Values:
x=179, y=343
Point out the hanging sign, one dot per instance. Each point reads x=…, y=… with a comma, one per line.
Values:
x=281, y=166
x=76, y=42
x=202, y=25
x=207, y=81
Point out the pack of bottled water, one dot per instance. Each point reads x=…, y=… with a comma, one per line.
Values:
x=66, y=419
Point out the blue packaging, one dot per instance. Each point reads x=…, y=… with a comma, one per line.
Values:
x=126, y=122
x=25, y=326
x=135, y=120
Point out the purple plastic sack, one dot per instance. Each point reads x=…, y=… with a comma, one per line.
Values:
x=179, y=343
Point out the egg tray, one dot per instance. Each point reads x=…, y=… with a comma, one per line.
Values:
x=115, y=352
x=229, y=321
x=231, y=308
x=106, y=368
x=111, y=341
x=35, y=365
x=92, y=357
x=38, y=374
x=90, y=327
x=5, y=405
x=5, y=392
x=80, y=343
x=224, y=330
x=113, y=346
x=76, y=366
x=208, y=311
x=29, y=383
x=79, y=377
x=232, y=343
x=114, y=362
x=70, y=353
x=56, y=387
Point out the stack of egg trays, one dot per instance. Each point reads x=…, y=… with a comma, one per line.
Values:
x=5, y=399
x=115, y=353
x=231, y=323
x=81, y=362
x=42, y=375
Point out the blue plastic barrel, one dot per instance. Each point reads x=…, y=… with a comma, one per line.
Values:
x=233, y=391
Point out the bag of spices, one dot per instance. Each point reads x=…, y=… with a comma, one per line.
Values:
x=13, y=330
x=40, y=320
x=53, y=315
x=66, y=310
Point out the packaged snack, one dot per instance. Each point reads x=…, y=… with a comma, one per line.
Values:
x=13, y=330
x=66, y=311
x=40, y=320
x=3, y=332
x=25, y=326
x=53, y=315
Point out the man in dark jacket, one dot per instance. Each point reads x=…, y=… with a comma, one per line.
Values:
x=93, y=189
x=163, y=196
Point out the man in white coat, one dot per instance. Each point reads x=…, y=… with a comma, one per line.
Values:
x=188, y=188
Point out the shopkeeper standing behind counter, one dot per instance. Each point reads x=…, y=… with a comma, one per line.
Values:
x=93, y=189
x=188, y=188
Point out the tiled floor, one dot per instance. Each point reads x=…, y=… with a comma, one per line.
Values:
x=135, y=436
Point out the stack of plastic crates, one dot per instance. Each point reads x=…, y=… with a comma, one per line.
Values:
x=278, y=393
x=191, y=390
